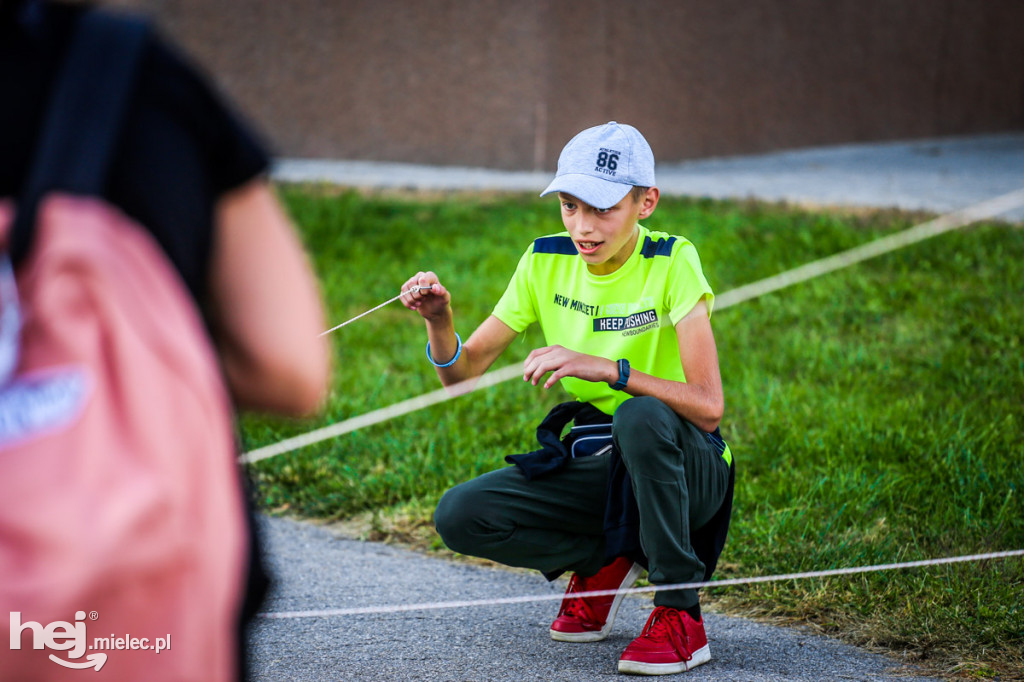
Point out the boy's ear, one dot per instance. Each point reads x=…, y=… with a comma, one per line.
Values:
x=649, y=202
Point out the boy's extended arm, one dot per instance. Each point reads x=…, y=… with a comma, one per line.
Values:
x=698, y=400
x=479, y=351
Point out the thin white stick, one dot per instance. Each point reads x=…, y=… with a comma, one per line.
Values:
x=390, y=300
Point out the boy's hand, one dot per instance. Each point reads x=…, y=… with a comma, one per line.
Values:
x=562, y=362
x=431, y=303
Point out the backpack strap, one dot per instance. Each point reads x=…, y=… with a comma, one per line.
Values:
x=85, y=114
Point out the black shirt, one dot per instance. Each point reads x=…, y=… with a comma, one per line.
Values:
x=180, y=149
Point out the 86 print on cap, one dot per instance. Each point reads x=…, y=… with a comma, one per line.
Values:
x=601, y=164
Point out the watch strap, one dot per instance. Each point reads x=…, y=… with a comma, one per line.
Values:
x=623, y=375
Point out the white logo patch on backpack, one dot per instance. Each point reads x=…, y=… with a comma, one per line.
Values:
x=37, y=403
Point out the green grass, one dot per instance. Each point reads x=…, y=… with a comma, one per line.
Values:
x=876, y=413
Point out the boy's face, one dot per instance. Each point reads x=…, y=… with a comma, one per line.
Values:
x=605, y=238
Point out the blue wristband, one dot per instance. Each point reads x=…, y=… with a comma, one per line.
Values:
x=458, y=352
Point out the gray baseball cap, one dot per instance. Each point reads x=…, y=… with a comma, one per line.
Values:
x=601, y=164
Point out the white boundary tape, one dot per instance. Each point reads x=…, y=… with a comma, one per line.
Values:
x=932, y=228
x=377, y=416
x=945, y=223
x=432, y=606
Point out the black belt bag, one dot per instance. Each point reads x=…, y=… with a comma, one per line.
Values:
x=589, y=440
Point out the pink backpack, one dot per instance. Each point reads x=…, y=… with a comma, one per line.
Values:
x=122, y=537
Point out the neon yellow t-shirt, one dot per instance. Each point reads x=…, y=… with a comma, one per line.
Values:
x=630, y=313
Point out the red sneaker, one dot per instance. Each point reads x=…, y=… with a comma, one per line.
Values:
x=671, y=642
x=588, y=619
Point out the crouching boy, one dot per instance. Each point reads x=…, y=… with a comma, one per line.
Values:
x=643, y=478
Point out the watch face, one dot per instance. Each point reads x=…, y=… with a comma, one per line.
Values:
x=623, y=375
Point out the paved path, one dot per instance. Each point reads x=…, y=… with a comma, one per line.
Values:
x=318, y=570
x=937, y=175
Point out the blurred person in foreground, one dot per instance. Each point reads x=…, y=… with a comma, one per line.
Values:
x=643, y=477
x=189, y=171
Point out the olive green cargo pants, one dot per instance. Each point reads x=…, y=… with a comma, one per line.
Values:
x=556, y=523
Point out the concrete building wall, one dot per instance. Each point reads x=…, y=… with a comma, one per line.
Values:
x=505, y=83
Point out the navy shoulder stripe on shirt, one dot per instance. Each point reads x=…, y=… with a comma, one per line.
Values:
x=662, y=247
x=560, y=245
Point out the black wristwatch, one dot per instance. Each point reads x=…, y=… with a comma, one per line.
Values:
x=623, y=375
